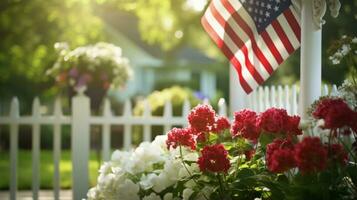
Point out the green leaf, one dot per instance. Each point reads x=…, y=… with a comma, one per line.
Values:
x=265, y=139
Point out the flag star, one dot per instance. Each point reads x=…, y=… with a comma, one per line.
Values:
x=263, y=4
x=251, y=1
x=261, y=12
x=268, y=6
x=277, y=1
x=257, y=3
x=267, y=14
x=250, y=9
x=243, y=1
x=276, y=8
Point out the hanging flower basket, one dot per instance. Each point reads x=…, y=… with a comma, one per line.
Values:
x=94, y=67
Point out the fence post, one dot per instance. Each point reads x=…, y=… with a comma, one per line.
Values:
x=80, y=145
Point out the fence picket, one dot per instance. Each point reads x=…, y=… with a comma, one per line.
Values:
x=106, y=131
x=325, y=90
x=14, y=132
x=334, y=90
x=280, y=96
x=294, y=100
x=36, y=148
x=57, y=148
x=273, y=96
x=222, y=107
x=261, y=99
x=127, y=127
x=287, y=105
x=185, y=110
x=167, y=116
x=255, y=100
x=266, y=98
x=147, y=128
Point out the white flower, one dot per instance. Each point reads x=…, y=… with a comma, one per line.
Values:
x=187, y=193
x=128, y=190
x=161, y=182
x=146, y=182
x=168, y=196
x=345, y=49
x=152, y=196
x=354, y=40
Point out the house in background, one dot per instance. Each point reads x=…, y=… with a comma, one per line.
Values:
x=152, y=69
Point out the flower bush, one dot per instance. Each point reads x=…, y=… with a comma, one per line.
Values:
x=102, y=65
x=256, y=156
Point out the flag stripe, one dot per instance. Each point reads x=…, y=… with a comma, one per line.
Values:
x=236, y=33
x=236, y=40
x=271, y=46
x=248, y=30
x=293, y=23
x=220, y=43
x=284, y=39
x=277, y=42
x=289, y=31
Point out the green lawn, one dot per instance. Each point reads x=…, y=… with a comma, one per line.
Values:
x=46, y=171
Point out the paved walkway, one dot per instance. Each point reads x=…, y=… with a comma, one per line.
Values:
x=44, y=195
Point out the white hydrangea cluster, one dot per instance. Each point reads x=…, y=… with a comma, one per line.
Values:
x=348, y=92
x=343, y=50
x=150, y=172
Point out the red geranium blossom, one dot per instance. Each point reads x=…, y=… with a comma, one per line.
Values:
x=245, y=125
x=292, y=125
x=178, y=136
x=335, y=113
x=201, y=118
x=249, y=154
x=221, y=124
x=310, y=155
x=214, y=159
x=273, y=120
x=280, y=156
x=337, y=153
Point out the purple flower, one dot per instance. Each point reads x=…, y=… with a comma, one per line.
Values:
x=73, y=72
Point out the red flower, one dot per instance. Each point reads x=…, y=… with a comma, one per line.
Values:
x=280, y=156
x=201, y=137
x=310, y=155
x=335, y=113
x=221, y=124
x=273, y=120
x=245, y=125
x=178, y=136
x=249, y=154
x=337, y=153
x=292, y=125
x=214, y=159
x=201, y=118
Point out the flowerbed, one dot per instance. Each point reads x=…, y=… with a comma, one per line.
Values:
x=256, y=156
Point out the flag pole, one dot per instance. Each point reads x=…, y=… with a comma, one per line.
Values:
x=310, y=60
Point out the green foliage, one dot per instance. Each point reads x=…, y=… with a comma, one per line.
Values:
x=28, y=31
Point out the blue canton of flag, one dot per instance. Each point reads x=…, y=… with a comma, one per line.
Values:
x=263, y=12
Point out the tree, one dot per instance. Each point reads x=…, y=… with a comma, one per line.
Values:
x=28, y=31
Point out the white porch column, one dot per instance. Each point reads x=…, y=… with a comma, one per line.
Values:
x=310, y=69
x=237, y=96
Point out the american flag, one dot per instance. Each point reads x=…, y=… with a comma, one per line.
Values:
x=255, y=35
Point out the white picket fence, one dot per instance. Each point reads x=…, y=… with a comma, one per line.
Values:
x=80, y=121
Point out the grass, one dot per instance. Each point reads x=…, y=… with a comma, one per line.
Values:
x=24, y=169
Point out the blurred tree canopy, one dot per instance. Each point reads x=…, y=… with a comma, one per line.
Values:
x=29, y=29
